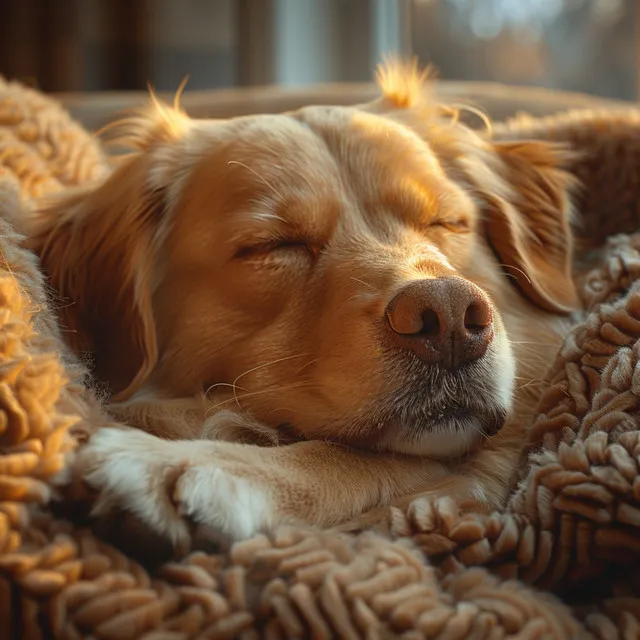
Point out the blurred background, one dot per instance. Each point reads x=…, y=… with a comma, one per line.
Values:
x=591, y=46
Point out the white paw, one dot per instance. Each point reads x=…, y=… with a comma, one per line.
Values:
x=165, y=482
x=225, y=503
x=135, y=472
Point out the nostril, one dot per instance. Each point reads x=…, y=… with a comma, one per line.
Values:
x=478, y=316
x=430, y=323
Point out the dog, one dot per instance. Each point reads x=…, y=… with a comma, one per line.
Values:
x=304, y=317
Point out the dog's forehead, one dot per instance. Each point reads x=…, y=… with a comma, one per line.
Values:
x=349, y=129
x=323, y=132
x=319, y=143
x=278, y=148
x=272, y=135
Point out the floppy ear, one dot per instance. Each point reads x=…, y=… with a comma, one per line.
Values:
x=527, y=215
x=523, y=187
x=97, y=247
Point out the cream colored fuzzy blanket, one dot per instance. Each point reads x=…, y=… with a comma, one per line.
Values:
x=560, y=561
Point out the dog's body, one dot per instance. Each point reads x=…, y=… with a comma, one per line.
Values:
x=306, y=313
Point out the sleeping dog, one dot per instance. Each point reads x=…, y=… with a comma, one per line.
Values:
x=309, y=315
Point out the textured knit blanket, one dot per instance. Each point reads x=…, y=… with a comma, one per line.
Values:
x=560, y=561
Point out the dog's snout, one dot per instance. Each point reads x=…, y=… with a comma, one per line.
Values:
x=445, y=321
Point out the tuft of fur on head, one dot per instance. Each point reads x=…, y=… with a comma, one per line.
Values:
x=408, y=96
x=403, y=82
x=155, y=123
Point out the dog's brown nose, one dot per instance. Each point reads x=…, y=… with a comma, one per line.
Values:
x=445, y=321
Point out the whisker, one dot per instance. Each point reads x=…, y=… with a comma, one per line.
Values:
x=510, y=266
x=523, y=378
x=262, y=366
x=234, y=385
x=531, y=383
x=269, y=364
x=308, y=364
x=366, y=284
x=353, y=297
x=362, y=296
x=269, y=389
x=218, y=384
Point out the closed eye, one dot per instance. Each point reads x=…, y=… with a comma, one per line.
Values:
x=454, y=225
x=274, y=246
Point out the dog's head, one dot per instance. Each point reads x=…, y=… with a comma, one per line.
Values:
x=334, y=272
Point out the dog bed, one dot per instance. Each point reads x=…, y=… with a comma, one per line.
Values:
x=560, y=561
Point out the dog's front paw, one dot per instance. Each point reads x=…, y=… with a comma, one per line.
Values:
x=223, y=500
x=170, y=486
x=134, y=472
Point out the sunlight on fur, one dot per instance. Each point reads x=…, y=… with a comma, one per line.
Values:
x=152, y=124
x=323, y=311
x=404, y=83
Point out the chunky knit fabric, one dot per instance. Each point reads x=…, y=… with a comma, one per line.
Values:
x=560, y=561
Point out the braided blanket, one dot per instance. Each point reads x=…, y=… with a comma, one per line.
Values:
x=560, y=561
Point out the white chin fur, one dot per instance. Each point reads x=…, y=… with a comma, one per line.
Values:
x=452, y=441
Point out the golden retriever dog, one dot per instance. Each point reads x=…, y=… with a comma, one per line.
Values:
x=309, y=315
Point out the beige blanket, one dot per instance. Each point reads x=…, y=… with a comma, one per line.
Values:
x=560, y=561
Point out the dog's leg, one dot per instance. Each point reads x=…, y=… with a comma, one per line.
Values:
x=238, y=490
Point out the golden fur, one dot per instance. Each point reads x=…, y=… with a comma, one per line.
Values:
x=230, y=281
